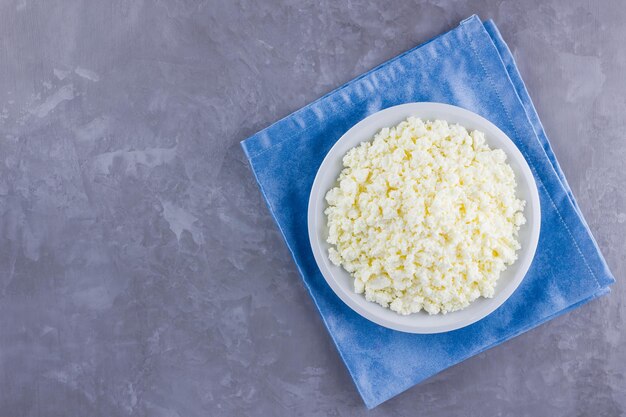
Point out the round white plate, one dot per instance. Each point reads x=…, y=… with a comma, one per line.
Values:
x=342, y=283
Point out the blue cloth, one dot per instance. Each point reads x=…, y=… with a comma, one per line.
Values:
x=470, y=67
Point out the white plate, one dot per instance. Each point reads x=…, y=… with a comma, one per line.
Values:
x=341, y=282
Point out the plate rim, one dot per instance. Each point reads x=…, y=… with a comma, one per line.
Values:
x=318, y=252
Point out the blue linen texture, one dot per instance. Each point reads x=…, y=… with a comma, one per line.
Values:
x=471, y=67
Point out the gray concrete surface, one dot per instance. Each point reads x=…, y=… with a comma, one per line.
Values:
x=140, y=272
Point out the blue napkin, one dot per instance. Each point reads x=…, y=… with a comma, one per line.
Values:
x=470, y=67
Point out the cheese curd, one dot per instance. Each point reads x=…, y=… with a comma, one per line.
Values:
x=424, y=216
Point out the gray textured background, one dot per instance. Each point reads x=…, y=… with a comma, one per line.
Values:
x=140, y=272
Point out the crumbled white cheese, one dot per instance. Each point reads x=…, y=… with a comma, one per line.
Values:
x=424, y=216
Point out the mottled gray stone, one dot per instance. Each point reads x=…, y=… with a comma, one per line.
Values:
x=140, y=272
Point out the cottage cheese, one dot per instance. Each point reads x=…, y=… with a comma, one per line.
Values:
x=424, y=216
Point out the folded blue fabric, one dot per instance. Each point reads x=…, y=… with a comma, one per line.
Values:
x=470, y=67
